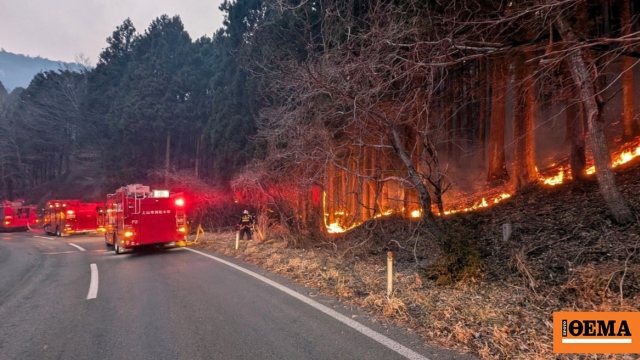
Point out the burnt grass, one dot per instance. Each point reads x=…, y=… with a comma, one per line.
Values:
x=475, y=291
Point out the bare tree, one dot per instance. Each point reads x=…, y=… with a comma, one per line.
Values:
x=583, y=76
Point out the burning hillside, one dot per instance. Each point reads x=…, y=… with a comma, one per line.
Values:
x=555, y=174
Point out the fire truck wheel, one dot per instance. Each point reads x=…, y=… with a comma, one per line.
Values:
x=117, y=249
x=58, y=232
x=106, y=241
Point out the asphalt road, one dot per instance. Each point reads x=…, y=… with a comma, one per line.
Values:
x=73, y=298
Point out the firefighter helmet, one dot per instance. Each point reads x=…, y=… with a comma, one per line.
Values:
x=246, y=212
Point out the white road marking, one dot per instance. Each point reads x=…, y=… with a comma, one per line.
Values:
x=76, y=246
x=397, y=347
x=93, y=286
x=42, y=237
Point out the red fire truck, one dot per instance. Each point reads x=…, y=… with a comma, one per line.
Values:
x=136, y=216
x=66, y=217
x=16, y=216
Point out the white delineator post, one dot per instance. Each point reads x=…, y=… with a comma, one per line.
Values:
x=389, y=273
x=506, y=231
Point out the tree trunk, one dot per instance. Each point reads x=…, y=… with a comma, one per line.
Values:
x=166, y=159
x=361, y=185
x=630, y=126
x=425, y=199
x=592, y=105
x=197, y=164
x=329, y=194
x=497, y=166
x=448, y=118
x=575, y=134
x=524, y=167
x=483, y=88
x=353, y=191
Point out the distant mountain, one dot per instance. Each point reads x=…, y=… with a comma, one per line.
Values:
x=18, y=70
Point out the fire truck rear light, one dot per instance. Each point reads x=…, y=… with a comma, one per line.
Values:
x=70, y=212
x=180, y=202
x=181, y=229
x=128, y=233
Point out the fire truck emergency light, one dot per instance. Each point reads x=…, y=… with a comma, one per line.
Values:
x=180, y=202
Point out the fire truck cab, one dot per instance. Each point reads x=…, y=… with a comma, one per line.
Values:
x=16, y=216
x=66, y=217
x=136, y=216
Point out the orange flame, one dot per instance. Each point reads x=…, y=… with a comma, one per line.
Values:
x=618, y=159
x=481, y=204
x=554, y=180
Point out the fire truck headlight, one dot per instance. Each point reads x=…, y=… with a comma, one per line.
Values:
x=7, y=222
x=128, y=233
x=70, y=212
x=181, y=229
x=180, y=202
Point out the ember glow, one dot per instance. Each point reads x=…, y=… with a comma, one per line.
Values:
x=479, y=205
x=618, y=159
x=336, y=227
x=556, y=179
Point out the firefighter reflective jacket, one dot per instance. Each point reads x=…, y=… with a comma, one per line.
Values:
x=246, y=220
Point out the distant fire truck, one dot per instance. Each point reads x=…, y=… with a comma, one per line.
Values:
x=66, y=217
x=16, y=216
x=136, y=216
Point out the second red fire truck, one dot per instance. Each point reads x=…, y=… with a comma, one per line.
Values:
x=136, y=216
x=65, y=217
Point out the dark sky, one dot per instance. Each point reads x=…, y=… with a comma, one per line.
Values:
x=67, y=30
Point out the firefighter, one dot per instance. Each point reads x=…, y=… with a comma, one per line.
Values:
x=246, y=221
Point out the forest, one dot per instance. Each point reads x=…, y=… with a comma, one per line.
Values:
x=331, y=113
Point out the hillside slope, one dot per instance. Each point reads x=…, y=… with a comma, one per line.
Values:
x=487, y=296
